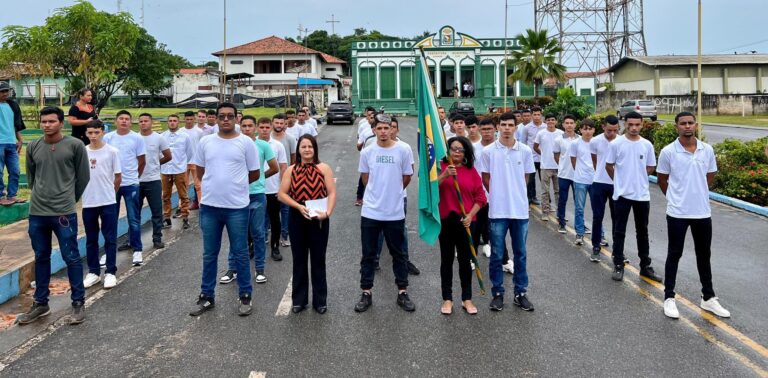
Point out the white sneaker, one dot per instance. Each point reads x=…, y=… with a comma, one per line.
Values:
x=713, y=305
x=260, y=277
x=670, y=308
x=509, y=267
x=110, y=281
x=487, y=250
x=472, y=265
x=137, y=258
x=103, y=261
x=90, y=280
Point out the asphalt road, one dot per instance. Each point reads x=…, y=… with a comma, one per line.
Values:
x=717, y=133
x=584, y=323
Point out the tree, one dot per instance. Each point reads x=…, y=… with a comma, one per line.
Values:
x=567, y=102
x=97, y=50
x=32, y=59
x=536, y=60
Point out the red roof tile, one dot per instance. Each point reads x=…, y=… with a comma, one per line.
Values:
x=192, y=71
x=275, y=46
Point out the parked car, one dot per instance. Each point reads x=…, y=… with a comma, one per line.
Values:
x=464, y=108
x=340, y=111
x=646, y=108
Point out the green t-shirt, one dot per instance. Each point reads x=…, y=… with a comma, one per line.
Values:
x=265, y=154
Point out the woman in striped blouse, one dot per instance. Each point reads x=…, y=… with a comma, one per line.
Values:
x=308, y=179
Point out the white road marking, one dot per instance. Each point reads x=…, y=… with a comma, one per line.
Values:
x=257, y=374
x=285, y=304
x=338, y=169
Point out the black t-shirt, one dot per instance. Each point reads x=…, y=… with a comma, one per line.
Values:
x=79, y=131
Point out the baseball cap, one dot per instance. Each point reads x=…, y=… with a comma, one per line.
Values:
x=4, y=86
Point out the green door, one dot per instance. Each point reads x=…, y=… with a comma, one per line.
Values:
x=407, y=83
x=367, y=83
x=487, y=85
x=387, y=82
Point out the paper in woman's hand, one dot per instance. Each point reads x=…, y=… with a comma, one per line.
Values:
x=316, y=207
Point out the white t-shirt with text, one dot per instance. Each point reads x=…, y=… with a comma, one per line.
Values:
x=383, y=199
x=104, y=164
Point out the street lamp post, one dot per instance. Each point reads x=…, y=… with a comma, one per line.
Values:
x=222, y=89
x=698, y=69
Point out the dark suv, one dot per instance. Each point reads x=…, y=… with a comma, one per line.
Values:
x=462, y=107
x=340, y=111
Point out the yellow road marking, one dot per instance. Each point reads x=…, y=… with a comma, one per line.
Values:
x=712, y=319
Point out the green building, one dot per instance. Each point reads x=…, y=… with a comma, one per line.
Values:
x=384, y=72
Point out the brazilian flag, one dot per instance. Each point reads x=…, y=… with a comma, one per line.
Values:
x=432, y=149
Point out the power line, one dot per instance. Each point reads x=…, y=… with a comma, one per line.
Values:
x=745, y=45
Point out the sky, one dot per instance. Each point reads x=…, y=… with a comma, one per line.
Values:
x=194, y=28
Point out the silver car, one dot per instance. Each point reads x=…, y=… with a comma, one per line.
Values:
x=646, y=108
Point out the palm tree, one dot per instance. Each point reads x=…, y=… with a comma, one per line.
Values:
x=536, y=60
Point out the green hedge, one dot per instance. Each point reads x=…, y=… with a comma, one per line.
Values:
x=743, y=170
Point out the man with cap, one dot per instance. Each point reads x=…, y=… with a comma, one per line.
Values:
x=11, y=125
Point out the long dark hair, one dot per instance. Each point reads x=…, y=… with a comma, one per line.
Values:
x=315, y=157
x=469, y=151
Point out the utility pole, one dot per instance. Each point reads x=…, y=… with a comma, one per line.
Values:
x=119, y=6
x=224, y=58
x=142, y=13
x=698, y=69
x=333, y=23
x=504, y=88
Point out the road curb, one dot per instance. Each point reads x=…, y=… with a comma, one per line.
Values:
x=752, y=208
x=13, y=282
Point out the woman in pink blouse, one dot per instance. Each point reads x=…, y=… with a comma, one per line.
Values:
x=453, y=237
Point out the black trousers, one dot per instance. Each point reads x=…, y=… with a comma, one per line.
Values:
x=309, y=239
x=481, y=232
x=640, y=209
x=153, y=192
x=453, y=238
x=532, y=182
x=360, y=188
x=701, y=230
x=273, y=211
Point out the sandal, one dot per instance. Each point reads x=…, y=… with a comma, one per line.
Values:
x=447, y=308
x=18, y=200
x=469, y=307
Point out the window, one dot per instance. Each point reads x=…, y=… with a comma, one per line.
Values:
x=296, y=66
x=585, y=92
x=204, y=87
x=266, y=67
x=28, y=90
x=234, y=62
x=330, y=69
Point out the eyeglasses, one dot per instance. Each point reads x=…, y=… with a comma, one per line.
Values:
x=227, y=116
x=458, y=150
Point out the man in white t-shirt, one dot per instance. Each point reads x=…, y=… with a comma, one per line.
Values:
x=580, y=158
x=482, y=237
x=602, y=184
x=150, y=186
x=289, y=143
x=447, y=127
x=307, y=126
x=310, y=120
x=528, y=138
x=630, y=160
x=210, y=122
x=132, y=162
x=564, y=167
x=544, y=144
x=227, y=162
x=386, y=169
x=174, y=172
x=271, y=186
x=505, y=167
x=364, y=133
x=686, y=171
x=194, y=133
x=98, y=202
x=459, y=123
x=298, y=128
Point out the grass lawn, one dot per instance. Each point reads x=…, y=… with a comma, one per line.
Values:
x=752, y=120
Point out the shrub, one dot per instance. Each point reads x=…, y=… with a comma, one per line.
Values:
x=567, y=102
x=742, y=170
x=543, y=102
x=663, y=135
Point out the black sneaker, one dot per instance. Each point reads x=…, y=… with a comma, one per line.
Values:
x=412, y=269
x=185, y=224
x=167, y=223
x=650, y=274
x=276, y=254
x=228, y=277
x=595, y=257
x=618, y=273
x=203, y=304
x=603, y=242
x=405, y=302
x=364, y=303
x=521, y=300
x=125, y=247
x=497, y=303
x=561, y=229
x=35, y=312
x=245, y=305
x=78, y=313
x=158, y=244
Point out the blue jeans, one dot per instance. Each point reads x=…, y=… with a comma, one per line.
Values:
x=133, y=207
x=564, y=185
x=257, y=208
x=518, y=231
x=580, y=192
x=65, y=229
x=9, y=157
x=600, y=193
x=284, y=221
x=394, y=233
x=212, y=223
x=108, y=215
